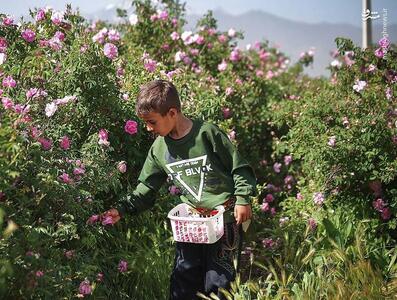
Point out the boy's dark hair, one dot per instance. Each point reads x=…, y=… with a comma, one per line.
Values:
x=157, y=96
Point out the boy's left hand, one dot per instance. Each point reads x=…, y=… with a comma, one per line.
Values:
x=242, y=213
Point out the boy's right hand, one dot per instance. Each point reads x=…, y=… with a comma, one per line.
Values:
x=110, y=217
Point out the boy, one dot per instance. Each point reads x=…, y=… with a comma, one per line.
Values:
x=205, y=167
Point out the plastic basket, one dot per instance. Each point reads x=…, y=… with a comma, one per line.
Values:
x=191, y=227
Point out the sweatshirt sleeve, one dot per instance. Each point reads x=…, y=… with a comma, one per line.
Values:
x=243, y=175
x=150, y=180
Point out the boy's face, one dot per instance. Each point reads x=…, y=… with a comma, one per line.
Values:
x=158, y=124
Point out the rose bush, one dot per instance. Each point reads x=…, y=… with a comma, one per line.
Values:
x=323, y=151
x=334, y=144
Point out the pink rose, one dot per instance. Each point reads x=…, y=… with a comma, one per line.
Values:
x=299, y=197
x=3, y=45
x=227, y=112
x=150, y=65
x=7, y=21
x=35, y=132
x=28, y=35
x=263, y=55
x=268, y=243
x=43, y=43
x=228, y=91
x=83, y=48
x=235, y=55
x=113, y=35
x=7, y=102
x=211, y=31
x=174, y=190
x=103, y=137
x=163, y=15
x=110, y=51
x=200, y=40
x=46, y=144
x=131, y=127
x=31, y=93
x=18, y=108
x=93, y=219
x=289, y=179
x=273, y=211
x=123, y=266
x=332, y=141
x=8, y=81
x=270, y=74
x=187, y=60
x=379, y=204
x=386, y=214
x=65, y=178
x=287, y=159
x=265, y=207
x=120, y=71
x=222, y=66
x=269, y=198
x=312, y=224
x=165, y=47
x=122, y=166
x=85, y=287
x=318, y=198
x=384, y=43
x=78, y=171
x=65, y=143
x=277, y=167
x=57, y=17
x=59, y=35
x=39, y=273
x=222, y=38
x=40, y=15
x=380, y=52
x=174, y=36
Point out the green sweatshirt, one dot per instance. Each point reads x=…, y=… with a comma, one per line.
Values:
x=204, y=165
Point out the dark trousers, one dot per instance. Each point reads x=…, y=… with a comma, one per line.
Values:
x=204, y=267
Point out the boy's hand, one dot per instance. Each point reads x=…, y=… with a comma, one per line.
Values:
x=242, y=213
x=111, y=217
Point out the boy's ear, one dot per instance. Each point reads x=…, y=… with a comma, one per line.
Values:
x=172, y=112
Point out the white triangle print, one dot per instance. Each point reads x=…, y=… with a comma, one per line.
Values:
x=171, y=168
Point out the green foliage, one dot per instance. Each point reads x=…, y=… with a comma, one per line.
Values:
x=283, y=123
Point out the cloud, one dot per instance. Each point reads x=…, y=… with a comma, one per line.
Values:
x=110, y=6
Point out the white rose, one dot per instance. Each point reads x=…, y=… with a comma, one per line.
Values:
x=3, y=58
x=50, y=109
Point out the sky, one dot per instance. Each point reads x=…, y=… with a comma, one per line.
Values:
x=310, y=11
